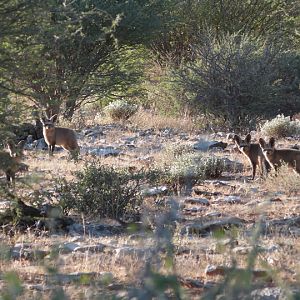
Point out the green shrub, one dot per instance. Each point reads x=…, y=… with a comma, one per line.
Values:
x=191, y=167
x=281, y=126
x=101, y=191
x=120, y=110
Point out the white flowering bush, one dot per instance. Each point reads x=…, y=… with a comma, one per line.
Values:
x=281, y=126
x=120, y=110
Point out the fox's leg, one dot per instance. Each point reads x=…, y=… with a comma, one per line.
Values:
x=262, y=169
x=51, y=149
x=8, y=177
x=253, y=169
x=268, y=167
x=13, y=178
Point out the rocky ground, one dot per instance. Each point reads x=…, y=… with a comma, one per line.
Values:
x=214, y=226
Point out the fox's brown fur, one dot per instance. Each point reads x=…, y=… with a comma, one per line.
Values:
x=276, y=156
x=10, y=162
x=60, y=136
x=253, y=152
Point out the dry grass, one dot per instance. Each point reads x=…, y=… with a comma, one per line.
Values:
x=285, y=181
x=144, y=119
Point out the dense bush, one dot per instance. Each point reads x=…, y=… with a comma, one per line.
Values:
x=120, y=110
x=101, y=191
x=281, y=126
x=239, y=79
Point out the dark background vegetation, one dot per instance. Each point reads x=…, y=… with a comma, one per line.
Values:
x=235, y=60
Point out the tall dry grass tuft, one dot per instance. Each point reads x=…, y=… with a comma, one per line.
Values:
x=284, y=180
x=145, y=119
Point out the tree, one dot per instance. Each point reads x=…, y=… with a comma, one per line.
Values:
x=14, y=20
x=76, y=51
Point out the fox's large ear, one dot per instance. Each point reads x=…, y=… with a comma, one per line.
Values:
x=237, y=139
x=248, y=138
x=53, y=118
x=262, y=143
x=272, y=142
x=10, y=145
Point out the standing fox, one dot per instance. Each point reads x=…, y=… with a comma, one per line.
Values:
x=10, y=163
x=64, y=137
x=253, y=152
x=276, y=156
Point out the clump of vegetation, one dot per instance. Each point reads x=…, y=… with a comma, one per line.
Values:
x=175, y=151
x=120, y=110
x=101, y=191
x=283, y=180
x=281, y=126
x=191, y=168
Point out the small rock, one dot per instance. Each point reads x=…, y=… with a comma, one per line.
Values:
x=40, y=144
x=193, y=209
x=75, y=229
x=230, y=199
x=217, y=182
x=108, y=151
x=252, y=203
x=129, y=140
x=133, y=252
x=204, y=145
x=191, y=200
x=275, y=199
x=24, y=251
x=206, y=228
x=218, y=145
x=154, y=191
x=94, y=134
x=268, y=293
x=68, y=247
x=198, y=190
x=40, y=287
x=183, y=250
x=242, y=250
x=146, y=132
x=191, y=283
x=90, y=248
x=137, y=236
x=213, y=214
x=5, y=205
x=29, y=139
x=254, y=190
x=212, y=270
x=81, y=277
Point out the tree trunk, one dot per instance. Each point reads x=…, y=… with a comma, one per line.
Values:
x=69, y=110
